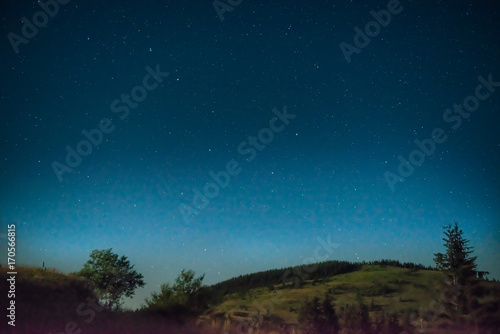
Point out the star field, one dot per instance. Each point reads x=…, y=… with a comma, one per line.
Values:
x=95, y=65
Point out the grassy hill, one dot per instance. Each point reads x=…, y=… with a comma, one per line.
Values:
x=51, y=302
x=408, y=293
x=389, y=289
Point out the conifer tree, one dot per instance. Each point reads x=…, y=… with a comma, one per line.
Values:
x=456, y=262
x=319, y=318
x=330, y=317
x=458, y=297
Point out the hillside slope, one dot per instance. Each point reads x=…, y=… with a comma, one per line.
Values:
x=390, y=289
x=52, y=302
x=46, y=298
x=49, y=302
x=384, y=289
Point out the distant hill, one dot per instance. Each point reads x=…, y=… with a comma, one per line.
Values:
x=292, y=276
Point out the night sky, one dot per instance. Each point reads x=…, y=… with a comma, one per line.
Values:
x=301, y=124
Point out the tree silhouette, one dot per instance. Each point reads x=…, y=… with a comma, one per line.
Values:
x=310, y=316
x=388, y=324
x=331, y=321
x=356, y=319
x=463, y=297
x=456, y=262
x=187, y=296
x=111, y=277
x=319, y=318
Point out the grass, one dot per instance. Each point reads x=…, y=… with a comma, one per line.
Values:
x=390, y=289
x=47, y=300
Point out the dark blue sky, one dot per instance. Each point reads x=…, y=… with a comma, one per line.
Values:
x=321, y=172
